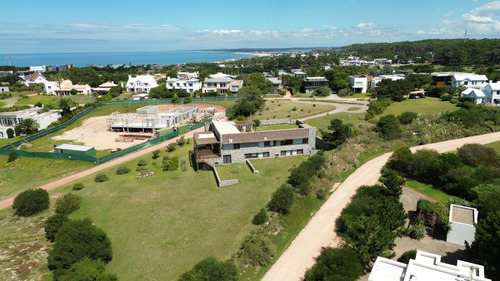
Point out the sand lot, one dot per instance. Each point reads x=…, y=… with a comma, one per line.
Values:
x=93, y=131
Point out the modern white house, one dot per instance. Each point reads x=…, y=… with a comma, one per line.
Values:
x=141, y=83
x=358, y=84
x=311, y=84
x=38, y=68
x=488, y=93
x=469, y=80
x=190, y=85
x=188, y=75
x=426, y=267
x=64, y=88
x=11, y=119
x=462, y=220
x=35, y=78
x=378, y=79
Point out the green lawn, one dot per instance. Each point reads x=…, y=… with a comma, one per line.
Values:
x=428, y=190
x=160, y=226
x=283, y=109
x=348, y=118
x=358, y=96
x=80, y=99
x=2, y=104
x=422, y=106
x=275, y=127
x=495, y=146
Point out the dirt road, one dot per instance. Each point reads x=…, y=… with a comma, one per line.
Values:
x=8, y=202
x=319, y=232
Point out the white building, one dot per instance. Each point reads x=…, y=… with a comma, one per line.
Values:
x=426, y=267
x=141, y=83
x=222, y=85
x=190, y=85
x=35, y=78
x=462, y=220
x=11, y=119
x=188, y=75
x=358, y=84
x=38, y=69
x=488, y=93
x=64, y=88
x=378, y=79
x=469, y=80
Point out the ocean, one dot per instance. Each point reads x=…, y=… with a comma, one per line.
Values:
x=132, y=58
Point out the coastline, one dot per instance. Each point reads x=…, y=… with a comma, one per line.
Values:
x=257, y=54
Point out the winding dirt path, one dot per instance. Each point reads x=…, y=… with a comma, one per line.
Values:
x=9, y=201
x=319, y=232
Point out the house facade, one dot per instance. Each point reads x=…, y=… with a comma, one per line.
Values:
x=488, y=93
x=64, y=88
x=35, y=78
x=190, y=85
x=222, y=85
x=141, y=83
x=4, y=89
x=11, y=119
x=358, y=84
x=277, y=87
x=469, y=80
x=232, y=142
x=379, y=79
x=38, y=68
x=311, y=84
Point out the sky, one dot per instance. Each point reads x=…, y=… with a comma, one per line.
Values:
x=53, y=26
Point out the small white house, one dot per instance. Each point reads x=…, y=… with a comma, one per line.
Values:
x=358, y=84
x=11, y=119
x=378, y=79
x=141, y=83
x=64, y=88
x=469, y=80
x=489, y=93
x=190, y=85
x=38, y=68
x=462, y=220
x=35, y=78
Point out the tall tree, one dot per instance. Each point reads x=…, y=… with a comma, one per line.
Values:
x=338, y=132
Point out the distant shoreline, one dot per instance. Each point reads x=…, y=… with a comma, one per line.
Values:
x=257, y=54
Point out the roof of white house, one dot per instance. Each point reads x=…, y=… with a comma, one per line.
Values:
x=315, y=79
x=274, y=80
x=494, y=86
x=219, y=75
x=218, y=80
x=471, y=92
x=172, y=79
x=225, y=127
x=74, y=147
x=470, y=76
x=463, y=214
x=108, y=84
x=141, y=78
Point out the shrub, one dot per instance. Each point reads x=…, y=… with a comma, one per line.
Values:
x=171, y=147
x=156, y=154
x=12, y=157
x=30, y=202
x=211, y=269
x=281, y=200
x=406, y=256
x=141, y=163
x=68, y=203
x=122, y=170
x=181, y=141
x=407, y=117
x=260, y=217
x=335, y=264
x=52, y=225
x=87, y=269
x=322, y=92
x=478, y=155
x=78, y=186
x=417, y=230
x=170, y=164
x=256, y=123
x=256, y=250
x=446, y=97
x=344, y=92
x=101, y=178
x=10, y=133
x=388, y=127
x=75, y=241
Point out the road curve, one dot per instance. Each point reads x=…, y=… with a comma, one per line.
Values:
x=319, y=232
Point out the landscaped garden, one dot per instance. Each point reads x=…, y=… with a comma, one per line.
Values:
x=283, y=109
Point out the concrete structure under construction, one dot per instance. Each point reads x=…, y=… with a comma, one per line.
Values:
x=149, y=118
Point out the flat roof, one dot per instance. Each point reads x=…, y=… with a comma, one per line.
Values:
x=299, y=133
x=225, y=127
x=205, y=138
x=462, y=214
x=74, y=147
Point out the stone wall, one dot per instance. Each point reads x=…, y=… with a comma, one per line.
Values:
x=277, y=122
x=221, y=182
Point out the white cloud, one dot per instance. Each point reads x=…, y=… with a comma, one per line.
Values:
x=369, y=25
x=483, y=20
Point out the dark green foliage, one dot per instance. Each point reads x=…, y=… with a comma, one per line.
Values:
x=446, y=97
x=78, y=186
x=442, y=213
x=30, y=202
x=487, y=198
x=249, y=101
x=338, y=133
x=256, y=250
x=478, y=155
x=12, y=157
x=322, y=92
x=393, y=182
x=260, y=217
x=282, y=199
x=258, y=81
x=388, y=127
x=181, y=141
x=156, y=154
x=437, y=91
x=211, y=269
x=68, y=203
x=122, y=170
x=10, y=133
x=52, y=225
x=171, y=147
x=75, y=241
x=471, y=116
x=377, y=107
x=344, y=92
x=406, y=256
x=485, y=249
x=87, y=270
x=301, y=176
x=418, y=80
x=395, y=90
x=141, y=163
x=335, y=264
x=417, y=229
x=407, y=117
x=101, y=178
x=170, y=163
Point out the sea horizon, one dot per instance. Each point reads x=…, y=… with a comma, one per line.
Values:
x=82, y=59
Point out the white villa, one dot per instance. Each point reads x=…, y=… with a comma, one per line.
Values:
x=141, y=83
x=35, y=78
x=378, y=79
x=11, y=119
x=38, y=69
x=222, y=83
x=488, y=93
x=188, y=75
x=64, y=88
x=190, y=85
x=469, y=80
x=358, y=84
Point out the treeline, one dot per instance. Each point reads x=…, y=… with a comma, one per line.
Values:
x=454, y=52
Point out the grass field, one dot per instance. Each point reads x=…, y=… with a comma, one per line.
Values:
x=358, y=96
x=280, y=109
x=2, y=104
x=52, y=99
x=160, y=226
x=25, y=173
x=495, y=146
x=422, y=106
x=346, y=117
x=428, y=190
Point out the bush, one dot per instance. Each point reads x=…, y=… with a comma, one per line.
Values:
x=52, y=225
x=171, y=147
x=335, y=264
x=406, y=256
x=30, y=202
x=446, y=97
x=75, y=241
x=281, y=200
x=87, y=269
x=68, y=203
x=322, y=92
x=10, y=133
x=101, y=178
x=211, y=269
x=170, y=164
x=344, y=92
x=78, y=186
x=12, y=157
x=256, y=250
x=141, y=163
x=156, y=154
x=407, y=117
x=417, y=230
x=181, y=141
x=122, y=170
x=260, y=217
x=256, y=123
x=474, y=154
x=388, y=127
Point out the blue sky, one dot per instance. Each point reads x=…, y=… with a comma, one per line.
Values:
x=51, y=26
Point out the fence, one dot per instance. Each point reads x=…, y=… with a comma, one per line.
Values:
x=10, y=148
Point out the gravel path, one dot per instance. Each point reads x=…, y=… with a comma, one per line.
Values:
x=8, y=202
x=319, y=232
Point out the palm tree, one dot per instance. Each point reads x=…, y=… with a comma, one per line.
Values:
x=29, y=126
x=66, y=104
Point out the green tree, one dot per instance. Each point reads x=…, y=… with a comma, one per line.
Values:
x=407, y=117
x=258, y=81
x=29, y=126
x=406, y=256
x=487, y=198
x=10, y=133
x=335, y=264
x=249, y=101
x=476, y=155
x=322, y=92
x=74, y=91
x=393, y=182
x=395, y=90
x=52, y=225
x=87, y=270
x=68, y=203
x=281, y=200
x=30, y=202
x=260, y=217
x=338, y=132
x=66, y=104
x=75, y=241
x=388, y=127
x=211, y=269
